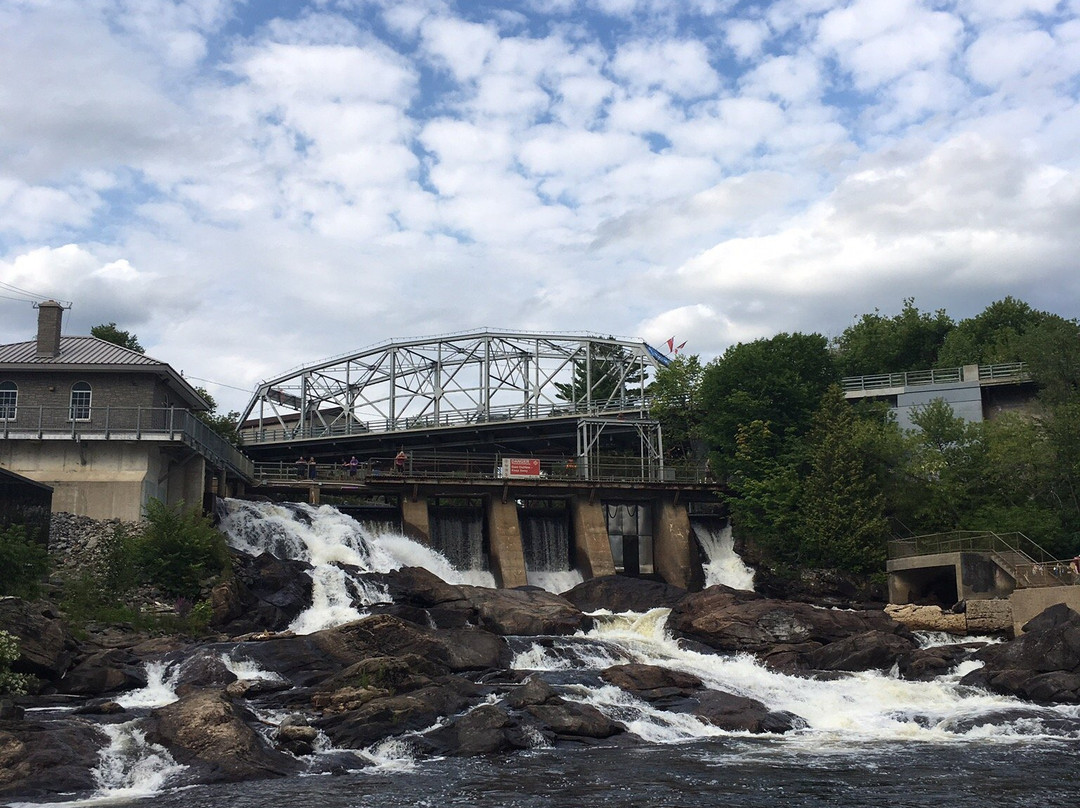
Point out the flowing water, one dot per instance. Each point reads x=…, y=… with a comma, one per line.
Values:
x=870, y=739
x=723, y=565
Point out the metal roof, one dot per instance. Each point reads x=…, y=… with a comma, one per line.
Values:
x=75, y=351
x=93, y=354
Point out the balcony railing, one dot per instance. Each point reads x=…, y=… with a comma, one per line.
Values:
x=127, y=424
x=1007, y=371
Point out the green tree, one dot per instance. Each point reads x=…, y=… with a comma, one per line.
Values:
x=11, y=683
x=777, y=381
x=23, y=560
x=181, y=550
x=994, y=335
x=841, y=516
x=907, y=341
x=226, y=425
x=1051, y=351
x=610, y=375
x=675, y=401
x=110, y=333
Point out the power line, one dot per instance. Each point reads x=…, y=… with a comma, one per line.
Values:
x=219, y=384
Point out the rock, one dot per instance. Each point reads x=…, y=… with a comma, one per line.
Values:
x=393, y=674
x=483, y=731
x=924, y=664
x=871, y=650
x=622, y=593
x=534, y=691
x=46, y=647
x=731, y=620
x=989, y=616
x=738, y=713
x=1042, y=664
x=10, y=711
x=253, y=688
x=928, y=618
x=100, y=707
x=47, y=758
x=570, y=721
x=475, y=650
x=200, y=670
x=382, y=717
x=111, y=671
x=523, y=612
x=296, y=738
x=265, y=593
x=651, y=682
x=208, y=732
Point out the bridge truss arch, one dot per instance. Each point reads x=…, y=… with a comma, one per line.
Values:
x=455, y=380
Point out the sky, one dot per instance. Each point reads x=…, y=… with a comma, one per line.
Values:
x=253, y=185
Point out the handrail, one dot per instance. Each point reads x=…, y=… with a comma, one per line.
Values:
x=960, y=540
x=112, y=423
x=917, y=378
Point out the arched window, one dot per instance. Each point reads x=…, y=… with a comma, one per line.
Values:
x=80, y=401
x=9, y=400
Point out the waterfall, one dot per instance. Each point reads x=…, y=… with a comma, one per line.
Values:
x=724, y=566
x=545, y=540
x=337, y=547
x=458, y=533
x=130, y=767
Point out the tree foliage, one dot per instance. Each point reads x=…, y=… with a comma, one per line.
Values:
x=610, y=374
x=23, y=560
x=675, y=401
x=110, y=333
x=906, y=341
x=180, y=549
x=226, y=425
x=994, y=335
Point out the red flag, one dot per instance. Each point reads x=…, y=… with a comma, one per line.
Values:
x=671, y=345
x=680, y=347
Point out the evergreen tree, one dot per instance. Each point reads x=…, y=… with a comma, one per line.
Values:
x=610, y=376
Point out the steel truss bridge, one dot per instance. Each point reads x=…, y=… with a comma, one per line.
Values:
x=579, y=394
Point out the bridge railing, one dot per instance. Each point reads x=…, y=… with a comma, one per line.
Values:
x=274, y=432
x=450, y=466
x=126, y=424
x=999, y=372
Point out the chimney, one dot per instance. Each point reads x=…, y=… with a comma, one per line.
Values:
x=50, y=313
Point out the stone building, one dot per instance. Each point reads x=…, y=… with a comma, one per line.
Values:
x=106, y=427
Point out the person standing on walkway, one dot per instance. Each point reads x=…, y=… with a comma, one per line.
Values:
x=313, y=468
x=399, y=461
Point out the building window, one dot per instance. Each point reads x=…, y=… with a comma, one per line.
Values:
x=80, y=401
x=9, y=398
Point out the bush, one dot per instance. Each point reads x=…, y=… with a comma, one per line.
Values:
x=15, y=683
x=24, y=562
x=180, y=550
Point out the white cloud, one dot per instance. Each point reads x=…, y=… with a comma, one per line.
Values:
x=681, y=68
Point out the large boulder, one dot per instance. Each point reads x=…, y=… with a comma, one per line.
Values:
x=524, y=612
x=46, y=647
x=209, y=733
x=266, y=593
x=622, y=593
x=488, y=729
x=111, y=671
x=731, y=620
x=870, y=650
x=1042, y=664
x=45, y=758
x=924, y=664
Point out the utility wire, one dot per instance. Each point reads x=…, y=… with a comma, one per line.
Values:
x=219, y=384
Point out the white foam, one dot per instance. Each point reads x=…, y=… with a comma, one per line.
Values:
x=555, y=581
x=724, y=566
x=160, y=687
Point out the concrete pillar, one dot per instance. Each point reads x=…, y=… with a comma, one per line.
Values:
x=313, y=494
x=507, y=554
x=672, y=555
x=592, y=548
x=415, y=519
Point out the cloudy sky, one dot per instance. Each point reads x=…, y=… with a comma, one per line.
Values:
x=253, y=185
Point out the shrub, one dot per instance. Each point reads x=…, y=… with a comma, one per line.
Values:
x=15, y=683
x=23, y=560
x=180, y=550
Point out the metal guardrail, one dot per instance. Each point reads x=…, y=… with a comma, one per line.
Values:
x=463, y=467
x=970, y=540
x=1029, y=563
x=279, y=434
x=128, y=423
x=1006, y=371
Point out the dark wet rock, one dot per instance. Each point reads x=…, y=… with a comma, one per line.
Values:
x=486, y=730
x=523, y=612
x=395, y=674
x=204, y=669
x=111, y=671
x=46, y=647
x=824, y=587
x=48, y=757
x=622, y=593
x=253, y=688
x=475, y=650
x=208, y=732
x=10, y=711
x=870, y=650
x=731, y=620
x=1042, y=664
x=651, y=682
x=924, y=664
x=100, y=707
x=389, y=715
x=570, y=720
x=534, y=691
x=738, y=713
x=296, y=736
x=265, y=593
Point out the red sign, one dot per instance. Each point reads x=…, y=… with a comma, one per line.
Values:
x=521, y=467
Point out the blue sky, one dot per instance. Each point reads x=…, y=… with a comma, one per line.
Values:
x=250, y=186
